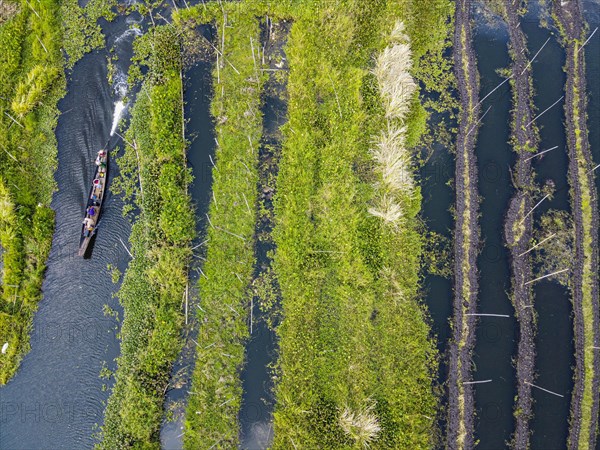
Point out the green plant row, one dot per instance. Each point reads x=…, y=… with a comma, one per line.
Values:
x=355, y=363
x=216, y=392
x=155, y=177
x=31, y=84
x=32, y=38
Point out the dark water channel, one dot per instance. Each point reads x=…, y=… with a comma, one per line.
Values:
x=554, y=342
x=57, y=398
x=256, y=412
x=200, y=133
x=495, y=336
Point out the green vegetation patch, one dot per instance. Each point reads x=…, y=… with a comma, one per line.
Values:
x=154, y=175
x=216, y=393
x=356, y=362
x=82, y=31
x=31, y=84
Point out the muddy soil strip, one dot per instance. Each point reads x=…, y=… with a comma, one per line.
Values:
x=518, y=228
x=584, y=205
x=466, y=239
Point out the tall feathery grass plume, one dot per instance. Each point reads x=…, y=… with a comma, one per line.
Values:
x=392, y=70
x=360, y=426
x=393, y=160
x=388, y=210
x=397, y=88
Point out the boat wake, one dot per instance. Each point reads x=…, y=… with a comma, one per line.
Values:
x=120, y=88
x=119, y=109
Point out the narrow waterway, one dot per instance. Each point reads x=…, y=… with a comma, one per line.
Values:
x=256, y=412
x=554, y=341
x=200, y=134
x=56, y=399
x=496, y=336
x=438, y=195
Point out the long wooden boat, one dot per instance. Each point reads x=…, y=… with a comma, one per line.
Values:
x=94, y=202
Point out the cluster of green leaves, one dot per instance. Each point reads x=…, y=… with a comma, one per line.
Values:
x=32, y=82
x=430, y=26
x=82, y=31
x=215, y=398
x=353, y=335
x=155, y=281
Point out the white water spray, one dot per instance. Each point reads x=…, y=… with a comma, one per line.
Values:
x=119, y=108
x=120, y=88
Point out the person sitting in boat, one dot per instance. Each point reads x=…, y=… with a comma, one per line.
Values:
x=101, y=161
x=88, y=224
x=91, y=211
x=101, y=158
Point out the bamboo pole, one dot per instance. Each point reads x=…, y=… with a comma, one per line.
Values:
x=487, y=315
x=9, y=153
x=229, y=232
x=538, y=244
x=201, y=243
x=531, y=210
x=13, y=119
x=587, y=40
x=42, y=44
x=479, y=121
x=246, y=200
x=34, y=11
x=546, y=390
x=491, y=92
x=541, y=153
x=535, y=56
x=126, y=249
x=187, y=285
x=546, y=276
x=544, y=111
x=477, y=382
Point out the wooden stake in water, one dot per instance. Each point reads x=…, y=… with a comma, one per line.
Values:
x=544, y=111
x=538, y=244
x=487, y=315
x=477, y=382
x=186, y=302
x=541, y=153
x=532, y=209
x=546, y=276
x=545, y=390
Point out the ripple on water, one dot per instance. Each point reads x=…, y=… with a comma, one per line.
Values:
x=56, y=398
